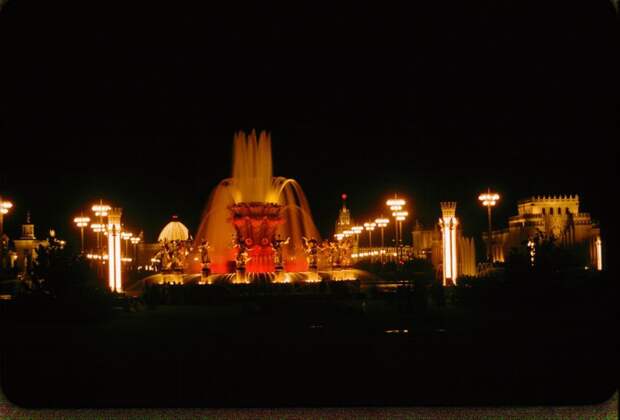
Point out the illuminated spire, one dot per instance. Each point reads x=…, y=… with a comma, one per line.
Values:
x=344, y=216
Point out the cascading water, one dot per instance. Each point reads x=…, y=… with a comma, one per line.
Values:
x=256, y=208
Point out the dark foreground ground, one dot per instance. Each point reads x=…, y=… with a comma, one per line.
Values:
x=317, y=351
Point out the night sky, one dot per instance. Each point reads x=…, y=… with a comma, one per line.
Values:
x=138, y=104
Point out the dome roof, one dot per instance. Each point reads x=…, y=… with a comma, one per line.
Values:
x=174, y=231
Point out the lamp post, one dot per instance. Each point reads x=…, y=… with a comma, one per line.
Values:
x=400, y=217
x=5, y=206
x=396, y=205
x=347, y=234
x=382, y=223
x=489, y=200
x=99, y=228
x=126, y=236
x=81, y=222
x=135, y=241
x=370, y=226
x=356, y=231
x=101, y=210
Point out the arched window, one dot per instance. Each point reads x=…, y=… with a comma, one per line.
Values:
x=550, y=210
x=559, y=210
x=543, y=210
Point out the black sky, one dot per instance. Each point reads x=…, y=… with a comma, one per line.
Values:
x=138, y=103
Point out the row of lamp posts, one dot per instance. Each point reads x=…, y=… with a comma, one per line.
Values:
x=112, y=228
x=102, y=210
x=396, y=205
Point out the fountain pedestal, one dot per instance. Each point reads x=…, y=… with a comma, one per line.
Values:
x=255, y=225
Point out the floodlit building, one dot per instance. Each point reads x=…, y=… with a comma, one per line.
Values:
x=344, y=222
x=556, y=216
x=26, y=247
x=451, y=253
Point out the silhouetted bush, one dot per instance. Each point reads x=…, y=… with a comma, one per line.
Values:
x=64, y=288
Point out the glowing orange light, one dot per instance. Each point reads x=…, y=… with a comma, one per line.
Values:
x=97, y=227
x=396, y=202
x=5, y=206
x=370, y=226
x=81, y=221
x=101, y=209
x=382, y=222
x=488, y=199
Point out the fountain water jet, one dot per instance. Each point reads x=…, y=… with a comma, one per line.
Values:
x=254, y=207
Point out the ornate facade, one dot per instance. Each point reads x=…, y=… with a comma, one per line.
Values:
x=26, y=247
x=556, y=216
x=344, y=221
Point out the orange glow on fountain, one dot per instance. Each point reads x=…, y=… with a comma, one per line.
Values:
x=254, y=208
x=256, y=224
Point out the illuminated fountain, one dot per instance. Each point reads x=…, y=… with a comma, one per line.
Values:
x=254, y=221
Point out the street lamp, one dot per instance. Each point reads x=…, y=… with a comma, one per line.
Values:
x=357, y=230
x=82, y=222
x=382, y=223
x=489, y=200
x=396, y=205
x=5, y=206
x=370, y=226
x=98, y=228
x=126, y=236
x=400, y=217
x=101, y=210
x=135, y=241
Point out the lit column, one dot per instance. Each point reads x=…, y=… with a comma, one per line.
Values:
x=5, y=206
x=489, y=200
x=114, y=250
x=382, y=223
x=81, y=222
x=448, y=223
x=599, y=254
